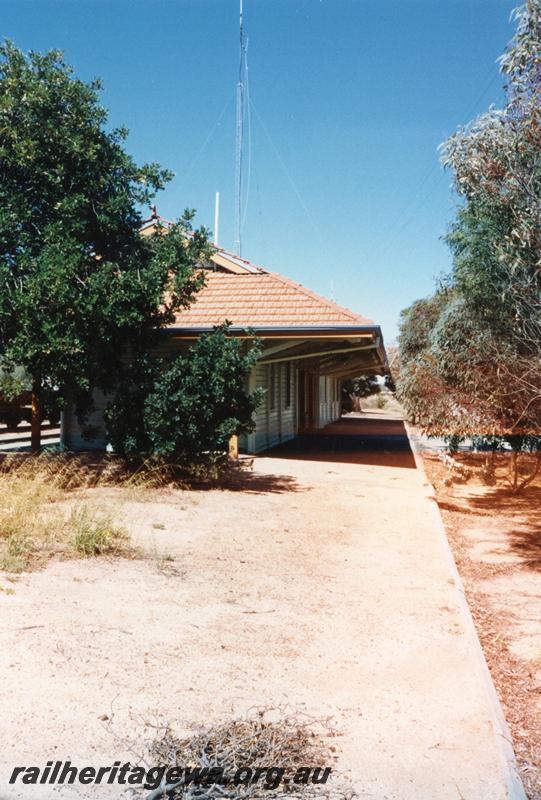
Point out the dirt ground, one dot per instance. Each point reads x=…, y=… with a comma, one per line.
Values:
x=319, y=584
x=496, y=541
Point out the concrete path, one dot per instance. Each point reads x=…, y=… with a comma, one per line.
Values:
x=324, y=585
x=428, y=722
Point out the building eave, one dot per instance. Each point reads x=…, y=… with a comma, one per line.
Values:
x=281, y=332
x=367, y=335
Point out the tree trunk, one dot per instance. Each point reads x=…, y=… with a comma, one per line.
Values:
x=514, y=471
x=35, y=424
x=533, y=474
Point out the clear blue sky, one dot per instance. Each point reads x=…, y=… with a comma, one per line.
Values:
x=355, y=96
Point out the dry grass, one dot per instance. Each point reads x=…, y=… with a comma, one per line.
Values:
x=28, y=523
x=43, y=508
x=266, y=738
x=95, y=533
x=382, y=400
x=70, y=471
x=41, y=514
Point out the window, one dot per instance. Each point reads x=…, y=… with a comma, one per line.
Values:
x=288, y=384
x=272, y=386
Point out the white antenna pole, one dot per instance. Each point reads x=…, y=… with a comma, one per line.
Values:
x=239, y=139
x=216, y=217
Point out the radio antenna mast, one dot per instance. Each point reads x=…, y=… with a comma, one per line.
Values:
x=239, y=137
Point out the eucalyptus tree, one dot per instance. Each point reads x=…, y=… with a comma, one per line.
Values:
x=496, y=241
x=480, y=359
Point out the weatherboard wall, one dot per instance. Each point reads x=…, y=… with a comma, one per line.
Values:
x=276, y=418
x=73, y=433
x=329, y=400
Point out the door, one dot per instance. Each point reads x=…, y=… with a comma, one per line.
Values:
x=307, y=398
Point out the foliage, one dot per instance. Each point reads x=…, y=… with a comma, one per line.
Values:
x=12, y=384
x=470, y=355
x=417, y=323
x=366, y=385
x=185, y=410
x=353, y=389
x=78, y=282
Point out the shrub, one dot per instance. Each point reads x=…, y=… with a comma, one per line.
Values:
x=184, y=411
x=470, y=355
x=488, y=474
x=456, y=472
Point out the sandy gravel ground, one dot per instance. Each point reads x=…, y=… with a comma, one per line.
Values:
x=323, y=585
x=496, y=539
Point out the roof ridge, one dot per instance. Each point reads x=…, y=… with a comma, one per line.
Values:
x=227, y=254
x=239, y=265
x=320, y=298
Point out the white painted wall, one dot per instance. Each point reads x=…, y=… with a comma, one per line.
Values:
x=276, y=417
x=329, y=400
x=72, y=433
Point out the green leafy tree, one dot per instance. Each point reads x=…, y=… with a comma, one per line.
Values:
x=471, y=355
x=496, y=240
x=79, y=285
x=185, y=410
x=353, y=389
x=366, y=385
x=421, y=388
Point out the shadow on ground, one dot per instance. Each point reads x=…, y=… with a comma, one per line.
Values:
x=243, y=480
x=518, y=515
x=368, y=440
x=526, y=542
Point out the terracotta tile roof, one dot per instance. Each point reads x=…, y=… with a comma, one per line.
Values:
x=262, y=300
x=249, y=296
